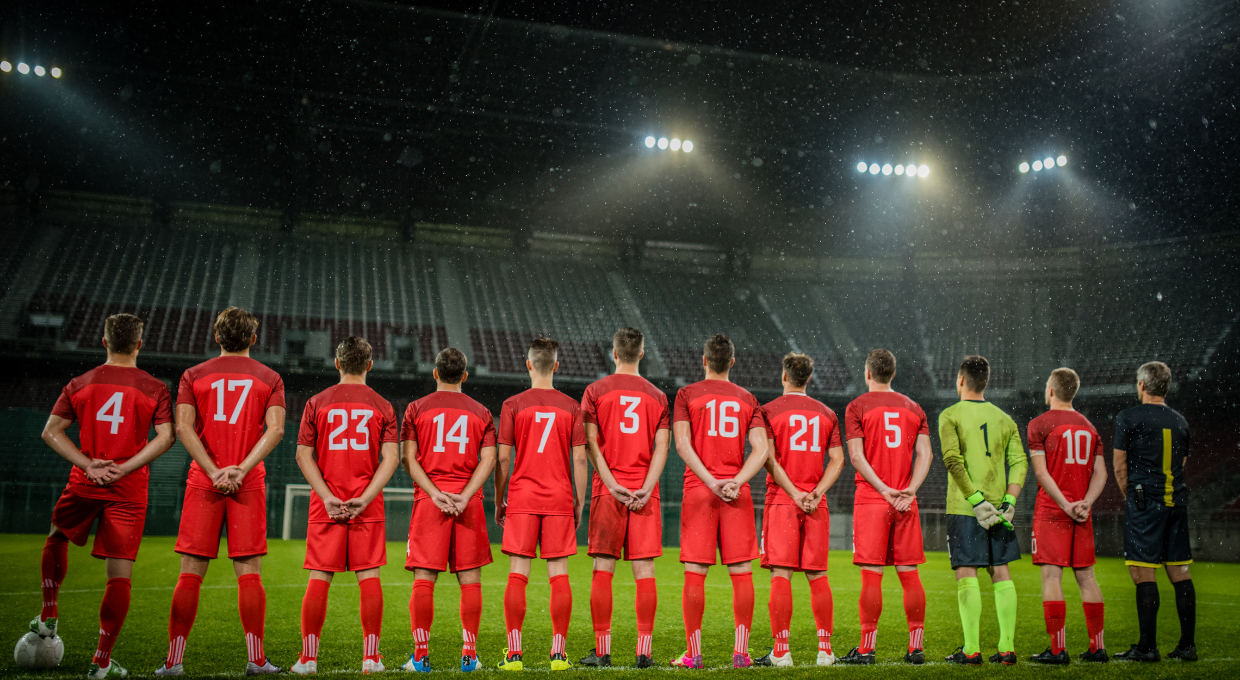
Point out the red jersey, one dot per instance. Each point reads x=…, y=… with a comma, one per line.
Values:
x=720, y=416
x=628, y=410
x=803, y=429
x=347, y=425
x=542, y=426
x=115, y=407
x=1070, y=443
x=450, y=429
x=232, y=395
x=889, y=423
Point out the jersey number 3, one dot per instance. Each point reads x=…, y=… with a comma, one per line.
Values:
x=336, y=442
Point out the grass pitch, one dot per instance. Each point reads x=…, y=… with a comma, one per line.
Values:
x=216, y=646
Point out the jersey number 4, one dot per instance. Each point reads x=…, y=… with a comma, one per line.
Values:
x=1074, y=450
x=110, y=412
x=336, y=442
x=218, y=387
x=458, y=434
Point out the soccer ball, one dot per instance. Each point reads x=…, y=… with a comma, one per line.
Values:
x=33, y=651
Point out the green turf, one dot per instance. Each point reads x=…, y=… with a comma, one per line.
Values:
x=216, y=645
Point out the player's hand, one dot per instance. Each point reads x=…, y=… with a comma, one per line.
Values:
x=356, y=506
x=501, y=511
x=1081, y=509
x=810, y=502
x=716, y=487
x=235, y=477
x=222, y=481
x=578, y=509
x=987, y=514
x=459, y=501
x=444, y=503
x=731, y=490
x=1008, y=510
x=622, y=495
x=335, y=509
x=892, y=497
x=100, y=471
x=640, y=498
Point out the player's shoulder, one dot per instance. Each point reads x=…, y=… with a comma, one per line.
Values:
x=796, y=401
x=626, y=382
x=119, y=376
x=722, y=388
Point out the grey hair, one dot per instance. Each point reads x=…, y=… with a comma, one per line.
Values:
x=1157, y=378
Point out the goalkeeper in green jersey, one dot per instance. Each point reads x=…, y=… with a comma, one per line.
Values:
x=986, y=465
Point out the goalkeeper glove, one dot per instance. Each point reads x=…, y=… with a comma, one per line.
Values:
x=987, y=514
x=1008, y=509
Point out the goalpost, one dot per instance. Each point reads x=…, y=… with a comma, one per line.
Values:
x=397, y=501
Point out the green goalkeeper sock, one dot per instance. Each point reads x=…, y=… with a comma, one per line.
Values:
x=1005, y=607
x=970, y=597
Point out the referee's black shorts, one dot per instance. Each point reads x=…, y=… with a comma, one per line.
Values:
x=1156, y=536
x=969, y=545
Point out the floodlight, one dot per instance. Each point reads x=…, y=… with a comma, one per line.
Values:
x=861, y=166
x=650, y=142
x=910, y=170
x=675, y=144
x=1048, y=163
x=1037, y=165
x=1061, y=161
x=5, y=66
x=686, y=146
x=874, y=168
x=923, y=171
x=40, y=71
x=22, y=68
x=663, y=142
x=1024, y=167
x=887, y=169
x=899, y=169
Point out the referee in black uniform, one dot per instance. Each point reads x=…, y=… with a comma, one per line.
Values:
x=1151, y=445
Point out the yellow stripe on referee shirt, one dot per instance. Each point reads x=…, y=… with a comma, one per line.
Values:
x=1169, y=487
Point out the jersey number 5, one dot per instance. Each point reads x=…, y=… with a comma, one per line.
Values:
x=896, y=434
x=362, y=416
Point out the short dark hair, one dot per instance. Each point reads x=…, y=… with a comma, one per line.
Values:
x=451, y=363
x=1065, y=382
x=628, y=343
x=123, y=333
x=1157, y=378
x=882, y=365
x=976, y=372
x=799, y=368
x=542, y=354
x=234, y=327
x=719, y=351
x=354, y=355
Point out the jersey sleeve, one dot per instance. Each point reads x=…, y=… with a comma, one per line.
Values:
x=1037, y=439
x=834, y=440
x=185, y=391
x=758, y=419
x=163, y=406
x=1098, y=448
x=681, y=410
x=307, y=434
x=507, y=425
x=277, y=394
x=389, y=434
x=924, y=428
x=579, y=428
x=853, y=428
x=665, y=421
x=407, y=430
x=64, y=406
x=1121, y=432
x=488, y=428
x=589, y=406
x=1018, y=462
x=953, y=457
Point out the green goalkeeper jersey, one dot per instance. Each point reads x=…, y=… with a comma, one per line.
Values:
x=982, y=452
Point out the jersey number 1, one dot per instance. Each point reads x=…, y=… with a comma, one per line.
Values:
x=459, y=434
x=1079, y=453
x=794, y=442
x=218, y=386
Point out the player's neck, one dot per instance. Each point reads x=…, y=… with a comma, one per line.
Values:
x=123, y=360
x=1057, y=405
x=970, y=395
x=447, y=387
x=1150, y=399
x=243, y=353
x=350, y=379
x=626, y=369
x=789, y=389
x=711, y=375
x=876, y=386
x=541, y=382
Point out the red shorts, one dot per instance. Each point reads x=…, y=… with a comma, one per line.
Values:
x=120, y=523
x=884, y=537
x=340, y=546
x=707, y=524
x=205, y=513
x=795, y=540
x=1063, y=542
x=616, y=531
x=554, y=535
x=440, y=542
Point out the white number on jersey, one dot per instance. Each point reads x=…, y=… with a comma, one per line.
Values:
x=110, y=412
x=459, y=434
x=550, y=418
x=729, y=426
x=630, y=414
x=218, y=386
x=337, y=443
x=1074, y=450
x=894, y=439
x=794, y=442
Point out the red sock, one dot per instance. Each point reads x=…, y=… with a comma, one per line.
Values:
x=112, y=613
x=372, y=616
x=781, y=613
x=647, y=603
x=181, y=618
x=693, y=603
x=514, y=610
x=54, y=566
x=422, y=614
x=471, y=618
x=313, y=614
x=823, y=604
x=561, y=612
x=1093, y=623
x=871, y=608
x=742, y=610
x=1056, y=613
x=914, y=607
x=252, y=603
x=600, y=610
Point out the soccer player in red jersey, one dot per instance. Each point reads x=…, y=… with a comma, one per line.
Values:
x=627, y=436
x=449, y=450
x=346, y=448
x=115, y=406
x=796, y=526
x=544, y=497
x=889, y=444
x=712, y=420
x=230, y=415
x=1066, y=454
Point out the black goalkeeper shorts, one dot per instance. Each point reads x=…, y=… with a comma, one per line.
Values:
x=969, y=545
x=1155, y=536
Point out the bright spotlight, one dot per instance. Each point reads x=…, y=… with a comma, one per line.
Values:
x=675, y=144
x=861, y=166
x=1024, y=167
x=686, y=146
x=663, y=142
x=1061, y=161
x=910, y=170
x=923, y=171
x=1037, y=165
x=874, y=168
x=1048, y=163
x=5, y=66
x=887, y=169
x=22, y=68
x=899, y=169
x=650, y=142
x=40, y=71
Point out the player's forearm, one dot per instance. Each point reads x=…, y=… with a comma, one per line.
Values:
x=921, y=465
x=693, y=462
x=835, y=467
x=198, y=452
x=486, y=463
x=757, y=456
x=856, y=451
x=504, y=455
x=1097, y=482
x=310, y=470
x=1018, y=467
x=153, y=449
x=581, y=474
x=58, y=441
x=387, y=467
x=1120, y=461
x=1048, y=483
x=960, y=475
x=600, y=466
x=272, y=434
x=658, y=460
x=781, y=477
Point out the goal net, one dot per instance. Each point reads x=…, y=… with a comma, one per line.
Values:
x=397, y=502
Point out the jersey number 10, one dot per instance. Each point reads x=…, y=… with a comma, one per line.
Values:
x=1073, y=450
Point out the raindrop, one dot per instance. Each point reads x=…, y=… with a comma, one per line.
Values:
x=557, y=112
x=757, y=162
x=1159, y=296
x=216, y=166
x=694, y=59
x=1153, y=124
